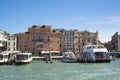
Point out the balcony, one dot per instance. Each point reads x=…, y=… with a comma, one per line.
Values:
x=38, y=40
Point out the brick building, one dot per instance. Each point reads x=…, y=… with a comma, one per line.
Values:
x=40, y=38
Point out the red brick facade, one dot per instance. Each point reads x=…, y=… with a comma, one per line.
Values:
x=40, y=38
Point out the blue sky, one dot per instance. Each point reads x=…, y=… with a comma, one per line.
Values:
x=92, y=15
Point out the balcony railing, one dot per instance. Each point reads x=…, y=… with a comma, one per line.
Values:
x=42, y=40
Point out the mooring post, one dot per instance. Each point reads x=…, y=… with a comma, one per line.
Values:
x=50, y=58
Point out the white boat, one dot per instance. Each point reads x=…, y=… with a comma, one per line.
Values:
x=4, y=57
x=23, y=58
x=69, y=57
x=8, y=57
x=94, y=53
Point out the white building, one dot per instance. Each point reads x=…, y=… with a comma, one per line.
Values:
x=12, y=43
x=68, y=39
x=3, y=40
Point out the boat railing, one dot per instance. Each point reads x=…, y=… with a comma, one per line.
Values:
x=1, y=57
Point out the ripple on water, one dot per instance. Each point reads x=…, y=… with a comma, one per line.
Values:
x=39, y=70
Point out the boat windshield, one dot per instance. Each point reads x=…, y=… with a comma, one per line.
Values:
x=101, y=55
x=5, y=56
x=22, y=57
x=1, y=57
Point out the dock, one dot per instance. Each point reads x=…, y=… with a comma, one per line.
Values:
x=53, y=58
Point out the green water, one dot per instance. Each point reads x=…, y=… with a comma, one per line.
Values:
x=39, y=70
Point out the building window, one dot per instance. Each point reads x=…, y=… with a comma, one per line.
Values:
x=13, y=38
x=49, y=38
x=14, y=49
x=88, y=40
x=20, y=37
x=8, y=48
x=83, y=44
x=60, y=45
x=36, y=30
x=8, y=43
x=33, y=37
x=116, y=41
x=94, y=39
x=28, y=38
x=8, y=38
x=39, y=38
x=39, y=45
x=13, y=43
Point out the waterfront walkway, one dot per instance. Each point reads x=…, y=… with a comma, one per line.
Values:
x=42, y=58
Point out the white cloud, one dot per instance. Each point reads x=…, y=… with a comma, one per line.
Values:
x=114, y=20
x=105, y=20
x=106, y=26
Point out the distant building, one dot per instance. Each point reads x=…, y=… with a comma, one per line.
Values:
x=74, y=40
x=68, y=40
x=84, y=37
x=3, y=40
x=115, y=42
x=40, y=38
x=108, y=45
x=12, y=43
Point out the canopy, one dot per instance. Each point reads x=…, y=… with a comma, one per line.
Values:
x=45, y=52
x=3, y=39
x=1, y=45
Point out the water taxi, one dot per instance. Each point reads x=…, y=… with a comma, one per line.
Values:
x=23, y=58
x=94, y=53
x=4, y=57
x=8, y=57
x=69, y=57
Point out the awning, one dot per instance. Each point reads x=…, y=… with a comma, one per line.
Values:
x=3, y=39
x=47, y=52
x=1, y=45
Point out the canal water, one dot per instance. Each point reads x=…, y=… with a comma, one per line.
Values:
x=40, y=70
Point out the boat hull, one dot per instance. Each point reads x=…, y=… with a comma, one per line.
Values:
x=70, y=61
x=103, y=61
x=3, y=63
x=22, y=63
x=96, y=61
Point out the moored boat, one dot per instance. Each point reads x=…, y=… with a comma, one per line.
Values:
x=8, y=57
x=4, y=57
x=23, y=58
x=69, y=57
x=94, y=53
